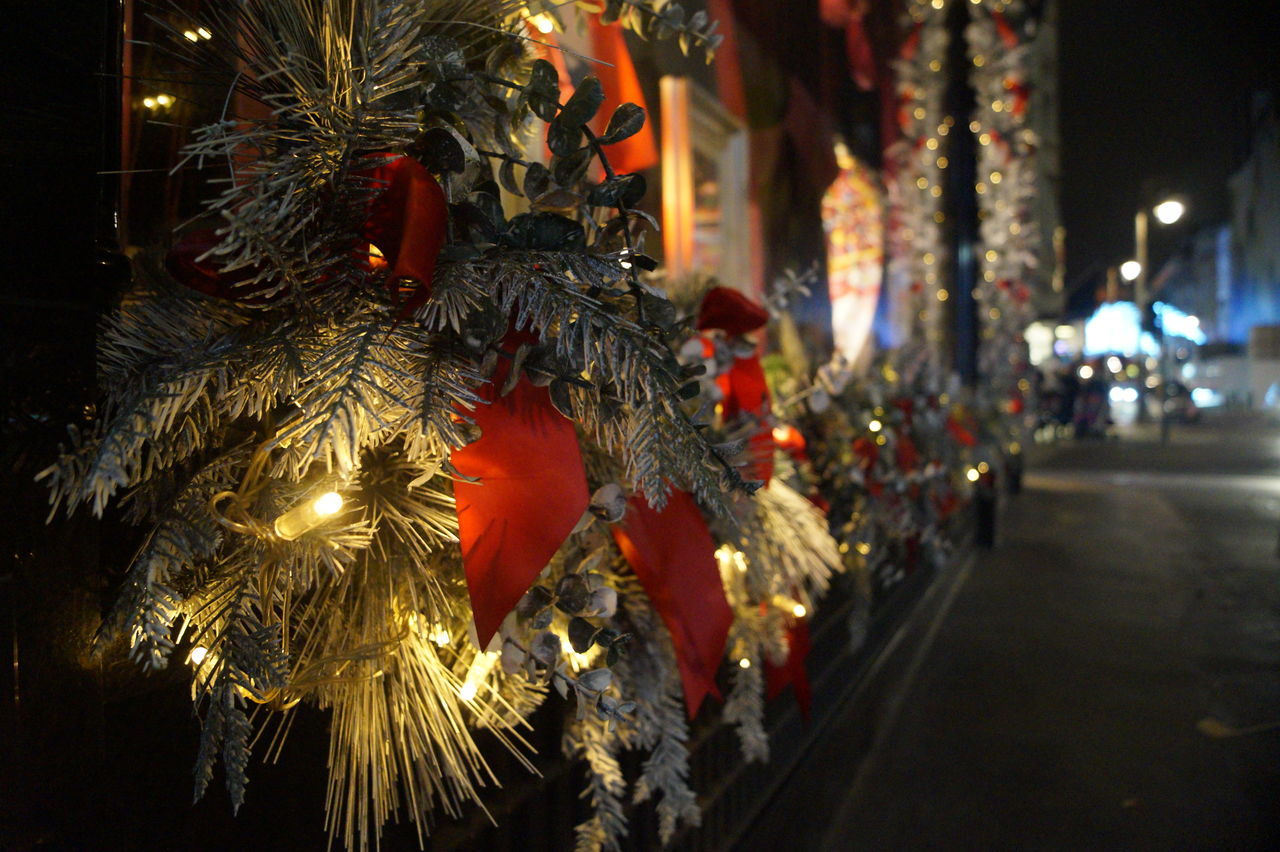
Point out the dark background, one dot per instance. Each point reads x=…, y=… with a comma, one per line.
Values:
x=1154, y=99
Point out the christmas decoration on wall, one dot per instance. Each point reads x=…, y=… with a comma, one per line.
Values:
x=916, y=160
x=999, y=52
x=378, y=428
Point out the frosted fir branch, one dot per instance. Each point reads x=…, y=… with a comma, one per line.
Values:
x=665, y=772
x=246, y=661
x=590, y=740
x=661, y=724
x=359, y=388
x=744, y=709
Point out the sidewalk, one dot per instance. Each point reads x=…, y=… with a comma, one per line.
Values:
x=1048, y=696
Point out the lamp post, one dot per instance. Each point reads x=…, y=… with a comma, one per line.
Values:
x=1166, y=212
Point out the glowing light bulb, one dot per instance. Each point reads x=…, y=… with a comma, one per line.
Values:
x=542, y=23
x=799, y=611
x=478, y=671
x=744, y=663
x=875, y=425
x=204, y=33
x=191, y=35
x=164, y=100
x=1168, y=212
x=440, y=635
x=308, y=515
x=983, y=467
x=972, y=474
x=198, y=654
x=149, y=103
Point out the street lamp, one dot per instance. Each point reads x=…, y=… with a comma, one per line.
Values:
x=1166, y=212
x=1130, y=270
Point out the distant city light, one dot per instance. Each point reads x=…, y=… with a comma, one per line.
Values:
x=1130, y=270
x=1113, y=364
x=1086, y=372
x=1168, y=212
x=1121, y=393
x=1114, y=329
x=1206, y=397
x=1179, y=324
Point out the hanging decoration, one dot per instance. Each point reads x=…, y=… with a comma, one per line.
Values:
x=853, y=218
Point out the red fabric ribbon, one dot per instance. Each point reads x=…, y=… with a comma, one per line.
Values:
x=205, y=276
x=793, y=672
x=531, y=493
x=743, y=385
x=908, y=457
x=674, y=558
x=1005, y=31
x=960, y=433
x=407, y=221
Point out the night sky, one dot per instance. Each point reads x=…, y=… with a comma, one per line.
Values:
x=1154, y=98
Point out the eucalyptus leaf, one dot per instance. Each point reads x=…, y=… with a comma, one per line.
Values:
x=627, y=120
x=543, y=90
x=602, y=602
x=560, y=397
x=546, y=648
x=536, y=180
x=440, y=151
x=570, y=169
x=545, y=231
x=596, y=680
x=586, y=101
x=534, y=601
x=571, y=594
x=507, y=177
x=620, y=190
x=564, y=137
x=582, y=634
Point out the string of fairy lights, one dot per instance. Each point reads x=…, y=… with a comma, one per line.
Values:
x=1005, y=185
x=918, y=250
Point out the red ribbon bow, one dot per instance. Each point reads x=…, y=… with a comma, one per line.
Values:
x=793, y=672
x=743, y=386
x=407, y=222
x=673, y=555
x=532, y=490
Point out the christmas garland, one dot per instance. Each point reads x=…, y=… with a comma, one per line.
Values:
x=1006, y=190
x=418, y=462
x=917, y=251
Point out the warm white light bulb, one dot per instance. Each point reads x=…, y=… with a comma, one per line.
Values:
x=308, y=515
x=149, y=103
x=744, y=663
x=191, y=35
x=476, y=674
x=542, y=23
x=1168, y=212
x=875, y=425
x=198, y=654
x=972, y=474
x=799, y=611
x=204, y=32
x=328, y=503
